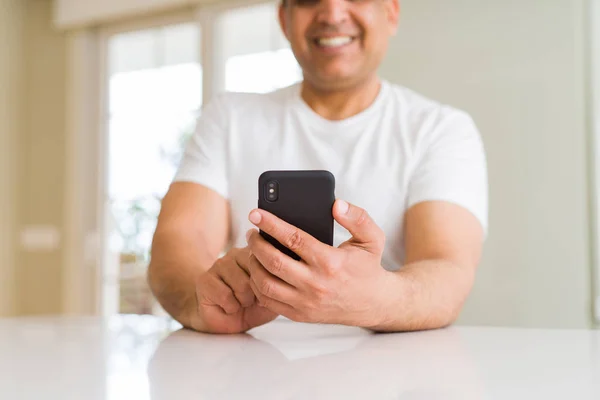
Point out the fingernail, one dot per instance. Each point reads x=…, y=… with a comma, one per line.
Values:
x=343, y=206
x=255, y=217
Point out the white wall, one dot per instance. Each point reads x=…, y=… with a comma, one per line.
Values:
x=519, y=68
x=10, y=59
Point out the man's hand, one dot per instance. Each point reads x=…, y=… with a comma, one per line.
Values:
x=226, y=303
x=344, y=285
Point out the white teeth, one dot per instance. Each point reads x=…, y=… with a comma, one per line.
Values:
x=334, y=41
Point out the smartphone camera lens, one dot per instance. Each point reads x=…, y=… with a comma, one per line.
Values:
x=272, y=191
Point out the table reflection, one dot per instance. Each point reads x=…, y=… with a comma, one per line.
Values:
x=294, y=361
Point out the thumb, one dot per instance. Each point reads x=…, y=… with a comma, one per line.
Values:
x=361, y=226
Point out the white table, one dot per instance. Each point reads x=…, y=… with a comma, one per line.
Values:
x=138, y=358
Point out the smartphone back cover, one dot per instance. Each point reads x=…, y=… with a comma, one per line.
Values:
x=305, y=200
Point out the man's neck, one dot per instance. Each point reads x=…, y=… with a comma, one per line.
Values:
x=337, y=105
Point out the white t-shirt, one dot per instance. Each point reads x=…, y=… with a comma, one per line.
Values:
x=402, y=150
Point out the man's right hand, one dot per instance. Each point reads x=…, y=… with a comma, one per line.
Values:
x=225, y=300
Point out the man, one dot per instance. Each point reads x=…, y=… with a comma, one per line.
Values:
x=410, y=177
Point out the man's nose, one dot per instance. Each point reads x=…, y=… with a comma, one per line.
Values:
x=332, y=12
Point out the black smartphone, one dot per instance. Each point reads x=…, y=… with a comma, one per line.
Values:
x=301, y=198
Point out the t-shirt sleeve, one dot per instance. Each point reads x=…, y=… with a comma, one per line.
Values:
x=451, y=166
x=205, y=157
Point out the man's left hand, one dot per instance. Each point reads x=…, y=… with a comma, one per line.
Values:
x=345, y=285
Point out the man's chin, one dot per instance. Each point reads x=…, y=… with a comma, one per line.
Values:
x=335, y=80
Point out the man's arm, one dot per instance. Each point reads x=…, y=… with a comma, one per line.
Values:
x=443, y=248
x=192, y=230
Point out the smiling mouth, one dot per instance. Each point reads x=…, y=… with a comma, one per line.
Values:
x=333, y=42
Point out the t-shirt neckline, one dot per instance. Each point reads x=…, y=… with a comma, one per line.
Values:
x=314, y=118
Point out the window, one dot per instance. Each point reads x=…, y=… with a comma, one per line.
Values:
x=155, y=95
x=155, y=92
x=261, y=72
x=257, y=55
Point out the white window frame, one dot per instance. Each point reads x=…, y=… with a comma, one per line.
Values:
x=87, y=141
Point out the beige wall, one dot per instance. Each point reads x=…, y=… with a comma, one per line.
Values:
x=70, y=13
x=41, y=177
x=11, y=18
x=518, y=68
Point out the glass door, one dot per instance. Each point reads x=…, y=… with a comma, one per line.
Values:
x=154, y=99
x=257, y=56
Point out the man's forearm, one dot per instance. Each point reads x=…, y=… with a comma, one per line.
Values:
x=424, y=295
x=173, y=272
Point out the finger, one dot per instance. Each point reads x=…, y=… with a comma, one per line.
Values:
x=268, y=285
x=238, y=281
x=361, y=226
x=292, y=272
x=242, y=257
x=304, y=245
x=275, y=306
x=220, y=294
